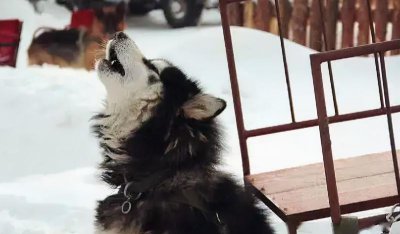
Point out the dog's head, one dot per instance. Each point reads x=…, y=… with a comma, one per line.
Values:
x=176, y=119
x=126, y=74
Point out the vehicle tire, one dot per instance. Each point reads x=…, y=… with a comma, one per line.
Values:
x=181, y=13
x=139, y=8
x=68, y=4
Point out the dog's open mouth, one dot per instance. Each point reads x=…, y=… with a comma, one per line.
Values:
x=115, y=64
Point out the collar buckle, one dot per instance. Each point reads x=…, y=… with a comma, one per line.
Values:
x=127, y=205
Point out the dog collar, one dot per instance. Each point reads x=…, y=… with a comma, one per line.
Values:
x=134, y=190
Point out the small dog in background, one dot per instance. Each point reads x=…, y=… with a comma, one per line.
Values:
x=76, y=47
x=161, y=146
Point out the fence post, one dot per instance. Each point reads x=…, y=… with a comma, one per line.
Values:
x=248, y=14
x=348, y=17
x=381, y=18
x=235, y=14
x=299, y=21
x=332, y=14
x=286, y=11
x=363, y=23
x=315, y=26
x=264, y=13
x=396, y=23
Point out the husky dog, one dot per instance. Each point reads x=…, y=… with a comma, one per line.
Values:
x=161, y=145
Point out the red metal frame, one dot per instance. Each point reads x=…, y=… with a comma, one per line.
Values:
x=323, y=120
x=12, y=40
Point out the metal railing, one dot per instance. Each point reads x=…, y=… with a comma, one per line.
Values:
x=323, y=120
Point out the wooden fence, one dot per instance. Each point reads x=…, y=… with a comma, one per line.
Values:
x=346, y=21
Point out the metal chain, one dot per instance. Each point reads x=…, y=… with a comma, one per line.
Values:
x=127, y=205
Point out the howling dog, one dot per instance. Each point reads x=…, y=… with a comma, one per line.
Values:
x=161, y=146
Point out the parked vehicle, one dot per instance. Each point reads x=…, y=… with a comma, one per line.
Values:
x=178, y=13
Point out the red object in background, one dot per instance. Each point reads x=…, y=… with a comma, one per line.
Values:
x=82, y=18
x=10, y=34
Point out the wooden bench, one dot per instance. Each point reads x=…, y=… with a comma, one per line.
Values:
x=299, y=193
x=331, y=188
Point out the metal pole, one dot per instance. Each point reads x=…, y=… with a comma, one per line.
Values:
x=323, y=121
x=235, y=88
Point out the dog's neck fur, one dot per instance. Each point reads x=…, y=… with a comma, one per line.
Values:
x=120, y=119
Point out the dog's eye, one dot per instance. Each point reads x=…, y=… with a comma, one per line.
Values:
x=152, y=79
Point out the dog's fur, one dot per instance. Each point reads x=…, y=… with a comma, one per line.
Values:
x=157, y=119
x=76, y=47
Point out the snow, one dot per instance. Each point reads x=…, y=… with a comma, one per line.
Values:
x=48, y=174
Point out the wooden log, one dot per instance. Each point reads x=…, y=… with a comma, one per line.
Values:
x=235, y=14
x=363, y=23
x=348, y=17
x=315, y=26
x=396, y=23
x=263, y=15
x=331, y=17
x=298, y=24
x=381, y=19
x=248, y=14
x=285, y=8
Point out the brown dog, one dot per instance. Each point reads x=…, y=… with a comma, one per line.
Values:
x=76, y=47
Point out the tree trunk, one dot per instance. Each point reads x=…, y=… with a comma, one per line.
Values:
x=363, y=23
x=332, y=14
x=235, y=14
x=396, y=23
x=299, y=21
x=381, y=19
x=348, y=18
x=264, y=13
x=315, y=26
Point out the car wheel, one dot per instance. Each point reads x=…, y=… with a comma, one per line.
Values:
x=181, y=13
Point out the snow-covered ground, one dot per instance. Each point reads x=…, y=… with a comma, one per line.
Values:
x=48, y=176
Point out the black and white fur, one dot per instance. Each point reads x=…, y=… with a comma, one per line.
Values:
x=155, y=119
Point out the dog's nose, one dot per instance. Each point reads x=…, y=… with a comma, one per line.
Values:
x=120, y=35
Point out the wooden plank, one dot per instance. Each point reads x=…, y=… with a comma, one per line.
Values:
x=303, y=189
x=363, y=23
x=396, y=23
x=350, y=191
x=235, y=14
x=299, y=177
x=299, y=21
x=332, y=15
x=263, y=15
x=381, y=19
x=286, y=12
x=315, y=26
x=248, y=14
x=348, y=16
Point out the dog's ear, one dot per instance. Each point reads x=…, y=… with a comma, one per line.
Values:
x=203, y=107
